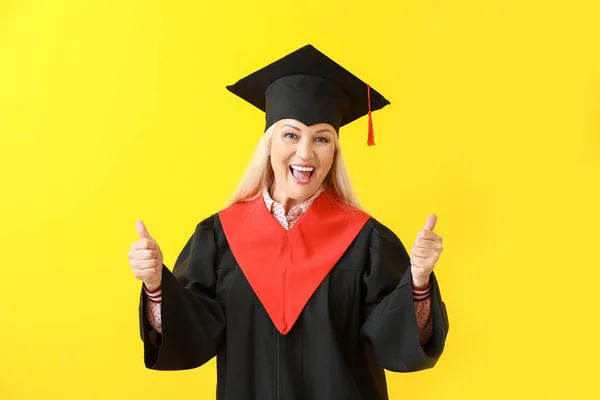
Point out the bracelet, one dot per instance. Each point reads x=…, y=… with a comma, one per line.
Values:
x=155, y=296
x=422, y=297
x=420, y=294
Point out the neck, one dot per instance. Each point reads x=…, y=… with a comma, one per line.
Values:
x=285, y=200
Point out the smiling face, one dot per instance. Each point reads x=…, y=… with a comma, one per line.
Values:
x=301, y=157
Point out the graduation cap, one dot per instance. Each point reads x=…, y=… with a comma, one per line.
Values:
x=308, y=86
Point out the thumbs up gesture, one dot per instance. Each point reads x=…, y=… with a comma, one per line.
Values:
x=425, y=253
x=145, y=258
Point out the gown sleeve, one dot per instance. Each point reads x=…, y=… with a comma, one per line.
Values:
x=193, y=321
x=390, y=322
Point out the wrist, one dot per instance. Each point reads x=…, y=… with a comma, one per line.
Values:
x=421, y=283
x=150, y=287
x=421, y=288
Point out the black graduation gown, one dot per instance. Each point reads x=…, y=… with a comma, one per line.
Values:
x=359, y=321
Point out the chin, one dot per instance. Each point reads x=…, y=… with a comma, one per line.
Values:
x=303, y=191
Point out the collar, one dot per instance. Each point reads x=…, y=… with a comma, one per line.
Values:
x=299, y=209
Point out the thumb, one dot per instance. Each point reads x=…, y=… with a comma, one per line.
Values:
x=431, y=220
x=141, y=230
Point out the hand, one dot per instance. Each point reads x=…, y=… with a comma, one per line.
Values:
x=425, y=253
x=145, y=258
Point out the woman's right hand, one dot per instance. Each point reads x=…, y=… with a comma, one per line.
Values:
x=145, y=258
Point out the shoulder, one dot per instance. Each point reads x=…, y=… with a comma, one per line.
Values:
x=380, y=234
x=241, y=208
x=377, y=228
x=209, y=227
x=233, y=215
x=208, y=222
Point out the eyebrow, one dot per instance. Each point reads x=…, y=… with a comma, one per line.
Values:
x=291, y=126
x=298, y=129
x=324, y=130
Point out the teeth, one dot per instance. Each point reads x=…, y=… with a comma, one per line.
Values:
x=304, y=169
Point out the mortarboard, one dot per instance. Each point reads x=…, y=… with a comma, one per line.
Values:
x=308, y=86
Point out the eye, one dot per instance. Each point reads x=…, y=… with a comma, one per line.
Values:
x=290, y=135
x=322, y=139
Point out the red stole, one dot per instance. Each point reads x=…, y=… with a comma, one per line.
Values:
x=285, y=267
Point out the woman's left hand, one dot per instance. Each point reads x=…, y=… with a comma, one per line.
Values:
x=425, y=253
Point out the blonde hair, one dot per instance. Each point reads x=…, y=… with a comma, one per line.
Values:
x=259, y=174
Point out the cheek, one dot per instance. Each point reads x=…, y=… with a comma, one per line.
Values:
x=278, y=159
x=276, y=165
x=326, y=160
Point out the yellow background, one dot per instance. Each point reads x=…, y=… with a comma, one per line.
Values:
x=112, y=111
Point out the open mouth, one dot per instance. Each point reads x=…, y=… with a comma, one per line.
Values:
x=302, y=174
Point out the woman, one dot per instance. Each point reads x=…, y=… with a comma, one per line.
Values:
x=299, y=293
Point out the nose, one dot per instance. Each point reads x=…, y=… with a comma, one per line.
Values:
x=305, y=148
